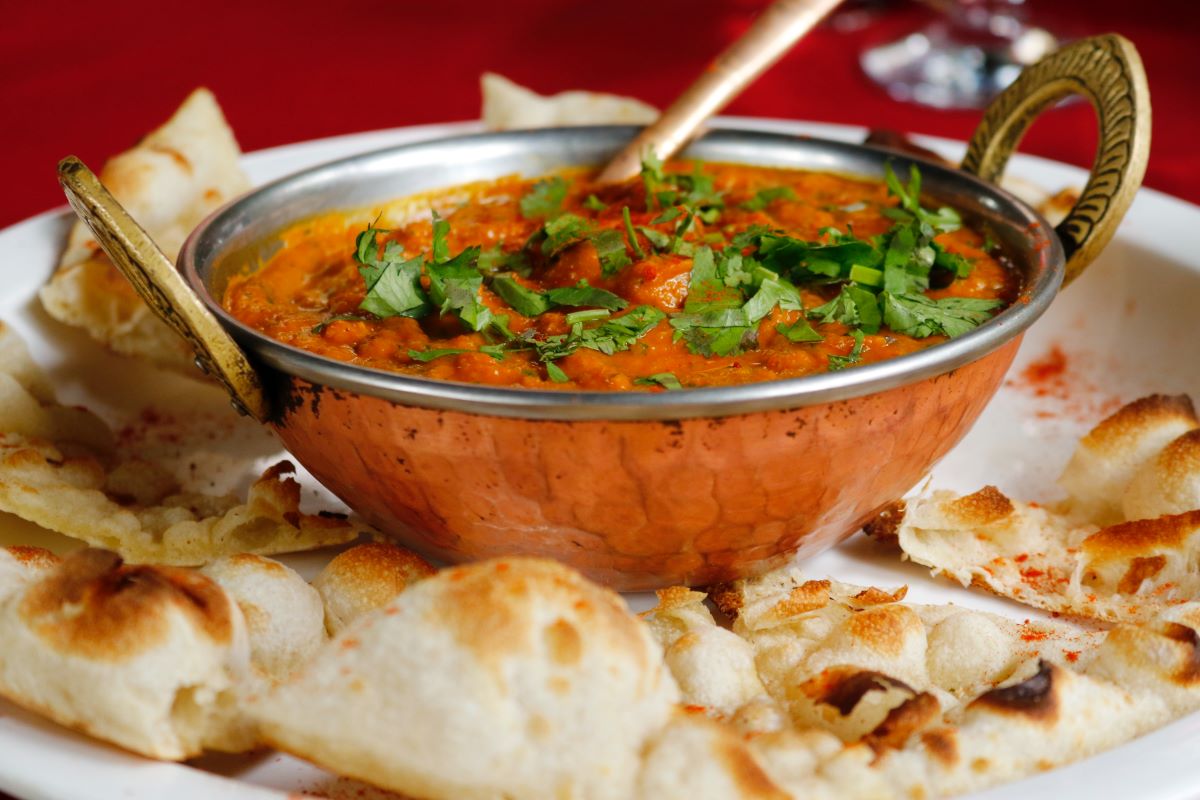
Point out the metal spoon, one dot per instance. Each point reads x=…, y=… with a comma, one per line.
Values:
x=771, y=35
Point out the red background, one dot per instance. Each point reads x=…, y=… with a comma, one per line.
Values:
x=90, y=78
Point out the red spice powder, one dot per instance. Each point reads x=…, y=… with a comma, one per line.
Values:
x=1072, y=655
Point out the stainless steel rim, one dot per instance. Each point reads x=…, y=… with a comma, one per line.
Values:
x=1024, y=233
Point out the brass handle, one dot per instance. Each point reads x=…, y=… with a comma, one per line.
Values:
x=1108, y=72
x=771, y=35
x=162, y=287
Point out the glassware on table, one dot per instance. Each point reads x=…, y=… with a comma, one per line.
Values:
x=963, y=58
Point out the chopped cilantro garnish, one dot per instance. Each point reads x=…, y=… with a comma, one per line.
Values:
x=496, y=351
x=583, y=295
x=393, y=283
x=764, y=197
x=630, y=234
x=555, y=373
x=658, y=239
x=854, y=306
x=943, y=220
x=526, y=301
x=562, y=232
x=593, y=203
x=919, y=316
x=589, y=315
x=613, y=335
x=666, y=216
x=666, y=380
x=610, y=249
x=841, y=362
x=545, y=199
x=799, y=331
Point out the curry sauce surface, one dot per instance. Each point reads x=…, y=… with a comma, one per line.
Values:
x=315, y=277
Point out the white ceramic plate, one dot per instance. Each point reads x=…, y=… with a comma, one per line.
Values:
x=1126, y=328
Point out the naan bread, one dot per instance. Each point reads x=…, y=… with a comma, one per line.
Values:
x=1025, y=704
x=713, y=667
x=1124, y=545
x=514, y=678
x=285, y=620
x=59, y=469
x=508, y=106
x=171, y=180
x=144, y=657
x=365, y=578
x=843, y=658
x=1113, y=452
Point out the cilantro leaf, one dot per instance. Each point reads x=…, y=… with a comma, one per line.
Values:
x=613, y=335
x=495, y=351
x=841, y=362
x=555, y=373
x=707, y=290
x=526, y=301
x=943, y=220
x=919, y=317
x=545, y=199
x=593, y=203
x=394, y=289
x=610, y=249
x=583, y=295
x=658, y=239
x=764, y=197
x=853, y=306
x=799, y=331
x=666, y=380
x=562, y=232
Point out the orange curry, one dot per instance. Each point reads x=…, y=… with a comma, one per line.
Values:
x=696, y=275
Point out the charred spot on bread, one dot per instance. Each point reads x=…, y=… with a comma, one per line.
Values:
x=843, y=688
x=885, y=527
x=96, y=605
x=903, y=721
x=1189, y=672
x=1033, y=697
x=1140, y=569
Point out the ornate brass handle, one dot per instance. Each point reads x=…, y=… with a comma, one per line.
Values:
x=1108, y=72
x=161, y=286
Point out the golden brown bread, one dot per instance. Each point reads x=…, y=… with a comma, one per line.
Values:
x=1083, y=557
x=145, y=657
x=511, y=678
x=60, y=469
x=172, y=179
x=364, y=578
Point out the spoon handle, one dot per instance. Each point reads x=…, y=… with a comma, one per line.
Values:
x=771, y=35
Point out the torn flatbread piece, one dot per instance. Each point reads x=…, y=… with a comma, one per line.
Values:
x=509, y=106
x=171, y=180
x=1122, y=547
x=58, y=469
x=144, y=657
x=1126, y=572
x=512, y=678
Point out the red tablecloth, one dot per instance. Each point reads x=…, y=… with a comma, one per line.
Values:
x=89, y=78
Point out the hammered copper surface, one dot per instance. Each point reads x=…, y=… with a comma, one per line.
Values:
x=636, y=505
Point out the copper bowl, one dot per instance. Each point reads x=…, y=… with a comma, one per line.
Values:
x=637, y=490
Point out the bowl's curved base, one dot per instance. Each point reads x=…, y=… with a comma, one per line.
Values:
x=634, y=505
